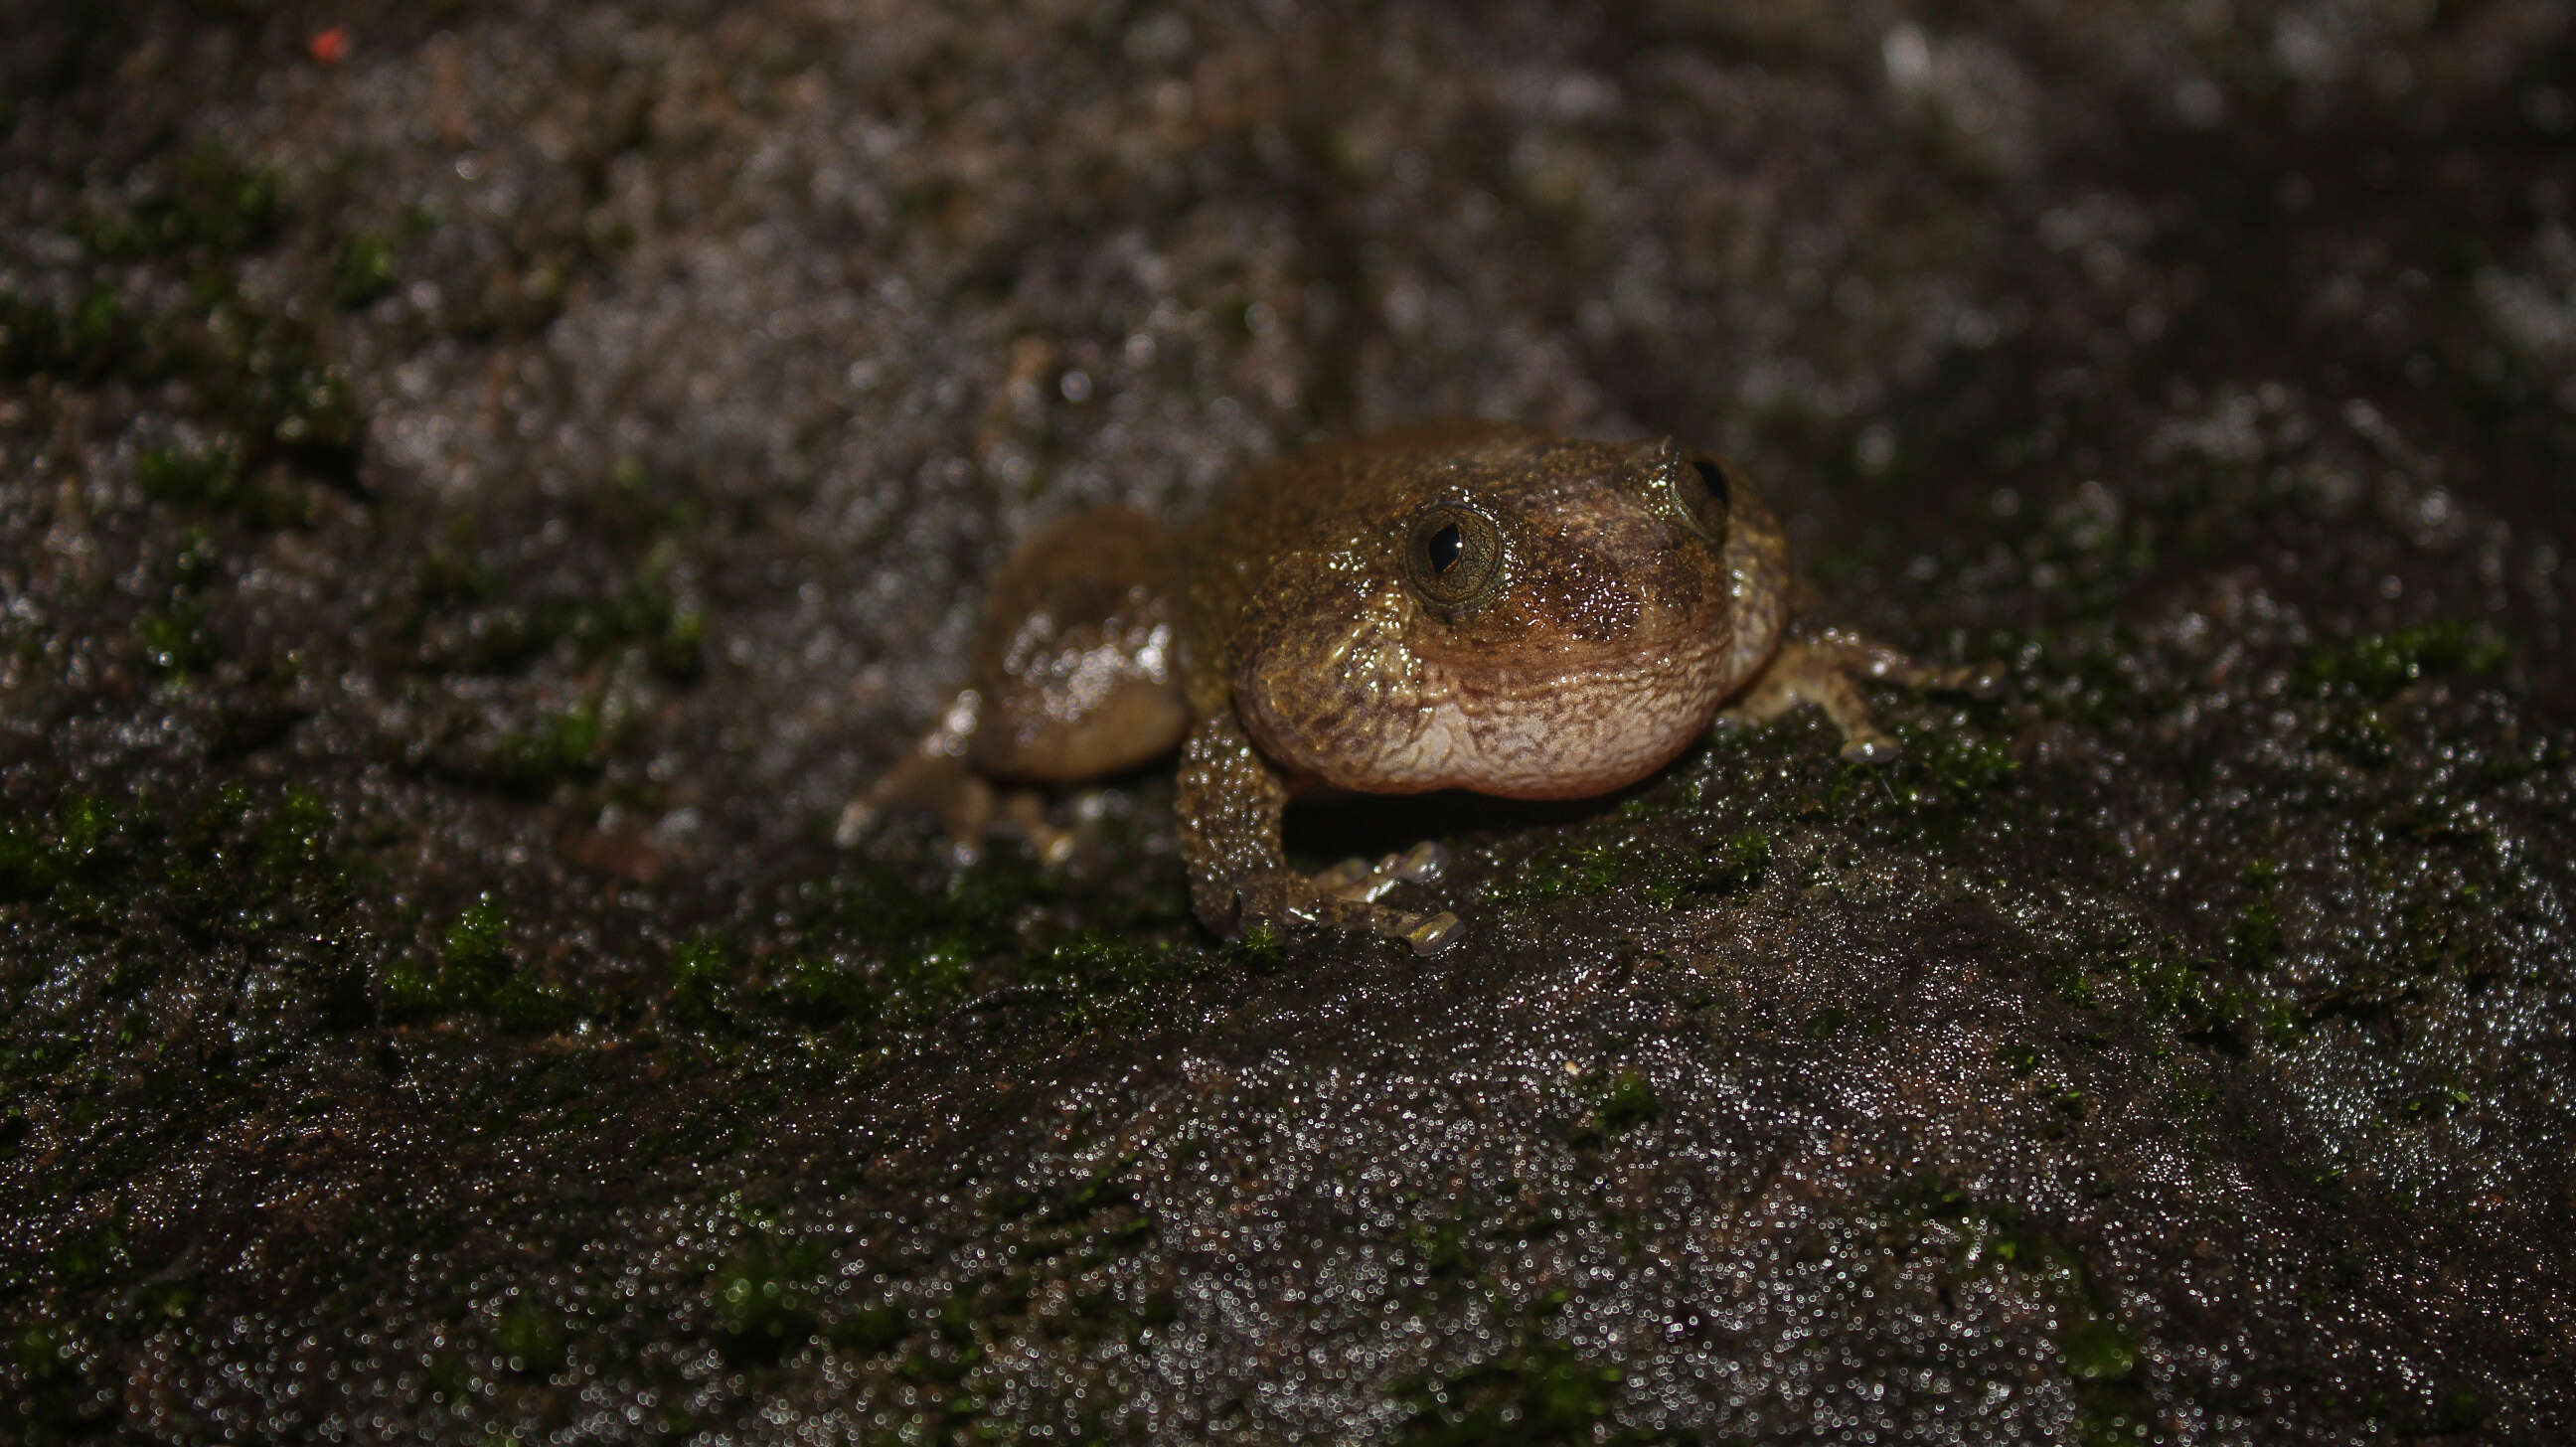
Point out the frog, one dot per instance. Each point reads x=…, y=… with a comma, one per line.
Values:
x=1451, y=606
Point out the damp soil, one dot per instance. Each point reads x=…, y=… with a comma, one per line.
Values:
x=481, y=485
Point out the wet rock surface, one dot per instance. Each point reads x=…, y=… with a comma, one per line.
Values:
x=480, y=485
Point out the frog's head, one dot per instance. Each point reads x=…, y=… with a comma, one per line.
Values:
x=1513, y=614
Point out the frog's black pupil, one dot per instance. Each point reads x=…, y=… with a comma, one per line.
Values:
x=1444, y=547
x=1714, y=476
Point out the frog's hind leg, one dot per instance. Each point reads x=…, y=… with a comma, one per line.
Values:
x=1822, y=668
x=1071, y=678
x=932, y=778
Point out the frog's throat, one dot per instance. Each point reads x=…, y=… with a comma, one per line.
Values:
x=1369, y=713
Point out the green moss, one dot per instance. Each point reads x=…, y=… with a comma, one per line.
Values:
x=1106, y=958
x=98, y=326
x=870, y=1329
x=641, y=615
x=938, y=971
x=2170, y=988
x=174, y=639
x=2113, y=1419
x=207, y=476
x=763, y=1299
x=75, y=845
x=529, y=1340
x=679, y=649
x=411, y=991
x=263, y=374
x=2096, y=1350
x=365, y=271
x=451, y=574
x=1957, y=764
x=89, y=1257
x=2069, y=982
x=2380, y=665
x=193, y=565
x=528, y=1002
x=36, y=340
x=1669, y=875
x=1262, y=946
x=255, y=373
x=475, y=951
x=1536, y=1391
x=1566, y=869
x=822, y=990
x=1739, y=862
x=1628, y=1100
x=2361, y=736
x=702, y=981
x=478, y=973
x=1941, y=777
x=297, y=835
x=2097, y=1353
x=563, y=745
x=217, y=204
x=215, y=478
x=55, y=1398
x=2254, y=940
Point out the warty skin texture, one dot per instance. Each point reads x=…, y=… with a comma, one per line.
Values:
x=1458, y=606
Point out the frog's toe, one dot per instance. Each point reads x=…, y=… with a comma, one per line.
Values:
x=857, y=822
x=1979, y=681
x=1341, y=898
x=1024, y=810
x=1435, y=934
x=1355, y=880
x=1347, y=880
x=1424, y=863
x=1869, y=746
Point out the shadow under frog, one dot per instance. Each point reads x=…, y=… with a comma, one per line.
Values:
x=1462, y=606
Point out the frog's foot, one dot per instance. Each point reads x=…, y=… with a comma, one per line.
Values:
x=1361, y=882
x=924, y=783
x=968, y=808
x=1821, y=670
x=1345, y=896
x=1025, y=811
x=933, y=778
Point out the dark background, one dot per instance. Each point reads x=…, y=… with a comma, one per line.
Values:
x=480, y=487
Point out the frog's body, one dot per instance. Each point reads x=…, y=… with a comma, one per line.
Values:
x=1469, y=606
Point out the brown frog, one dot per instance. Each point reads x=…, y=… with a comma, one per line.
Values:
x=1463, y=606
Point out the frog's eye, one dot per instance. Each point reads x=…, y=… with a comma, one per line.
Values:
x=1696, y=492
x=1455, y=555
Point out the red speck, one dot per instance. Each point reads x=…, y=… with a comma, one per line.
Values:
x=331, y=46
